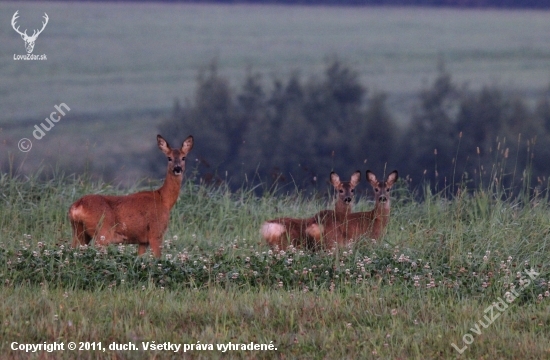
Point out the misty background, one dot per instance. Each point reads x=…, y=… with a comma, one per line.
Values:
x=280, y=93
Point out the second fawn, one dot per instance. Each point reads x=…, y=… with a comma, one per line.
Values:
x=282, y=232
x=334, y=231
x=140, y=218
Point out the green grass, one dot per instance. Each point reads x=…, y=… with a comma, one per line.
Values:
x=425, y=285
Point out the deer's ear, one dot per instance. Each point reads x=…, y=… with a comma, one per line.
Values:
x=392, y=178
x=187, y=145
x=163, y=145
x=371, y=178
x=355, y=178
x=334, y=179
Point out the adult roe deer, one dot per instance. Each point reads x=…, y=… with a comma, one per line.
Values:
x=282, y=232
x=140, y=218
x=333, y=231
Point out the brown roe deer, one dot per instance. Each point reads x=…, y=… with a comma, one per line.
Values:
x=282, y=232
x=332, y=231
x=140, y=218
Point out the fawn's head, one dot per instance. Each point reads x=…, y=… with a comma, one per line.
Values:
x=176, y=157
x=346, y=189
x=382, y=188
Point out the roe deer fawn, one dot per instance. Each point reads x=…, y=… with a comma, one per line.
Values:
x=283, y=232
x=140, y=218
x=337, y=231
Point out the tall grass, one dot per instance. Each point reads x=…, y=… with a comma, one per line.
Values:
x=409, y=295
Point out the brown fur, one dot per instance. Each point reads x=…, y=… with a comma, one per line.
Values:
x=140, y=218
x=282, y=232
x=331, y=230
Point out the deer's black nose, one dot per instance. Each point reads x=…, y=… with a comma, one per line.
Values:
x=177, y=170
x=383, y=199
x=347, y=199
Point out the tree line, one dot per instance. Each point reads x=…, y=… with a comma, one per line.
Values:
x=297, y=130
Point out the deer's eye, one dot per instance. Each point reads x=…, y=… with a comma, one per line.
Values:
x=183, y=158
x=352, y=190
x=341, y=191
x=376, y=190
x=169, y=158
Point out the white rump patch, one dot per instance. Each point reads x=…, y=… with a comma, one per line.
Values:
x=315, y=230
x=76, y=212
x=272, y=230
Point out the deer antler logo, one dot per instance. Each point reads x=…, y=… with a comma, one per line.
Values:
x=29, y=40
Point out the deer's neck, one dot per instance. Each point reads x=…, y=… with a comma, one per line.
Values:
x=381, y=214
x=342, y=209
x=170, y=190
x=382, y=210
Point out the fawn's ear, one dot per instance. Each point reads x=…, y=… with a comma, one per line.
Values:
x=187, y=145
x=371, y=178
x=163, y=145
x=392, y=178
x=335, y=179
x=355, y=178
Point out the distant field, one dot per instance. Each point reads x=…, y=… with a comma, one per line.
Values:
x=105, y=57
x=126, y=63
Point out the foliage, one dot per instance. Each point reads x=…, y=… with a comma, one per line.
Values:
x=298, y=131
x=277, y=134
x=211, y=248
x=237, y=265
x=477, y=136
x=423, y=286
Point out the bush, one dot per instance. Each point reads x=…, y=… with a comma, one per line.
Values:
x=298, y=131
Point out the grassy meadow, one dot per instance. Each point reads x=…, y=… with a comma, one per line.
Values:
x=469, y=269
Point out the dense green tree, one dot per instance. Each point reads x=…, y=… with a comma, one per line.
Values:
x=211, y=118
x=430, y=143
x=376, y=137
x=298, y=131
x=334, y=106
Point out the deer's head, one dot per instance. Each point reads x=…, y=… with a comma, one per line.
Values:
x=29, y=40
x=345, y=189
x=382, y=188
x=176, y=157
